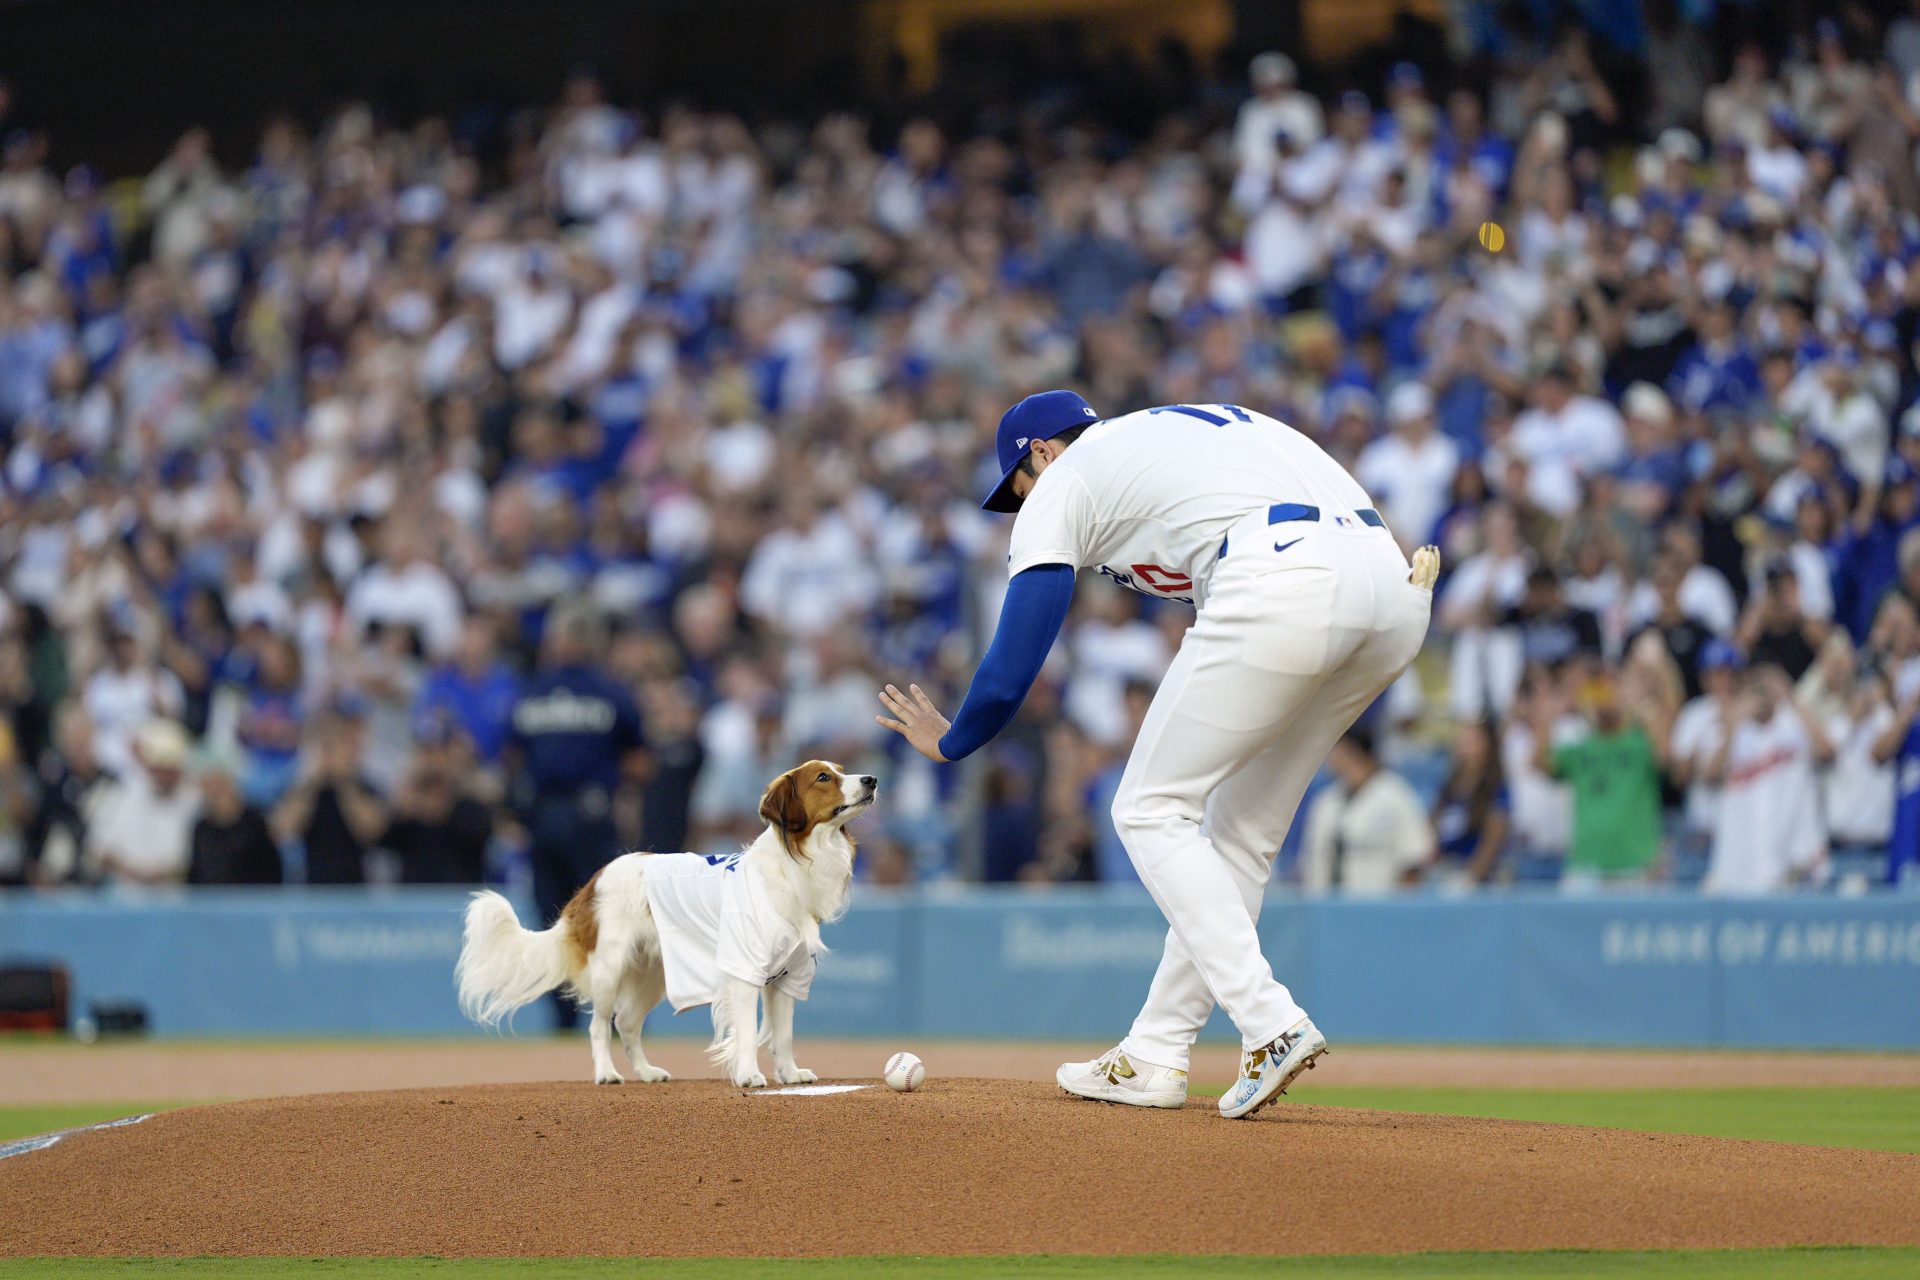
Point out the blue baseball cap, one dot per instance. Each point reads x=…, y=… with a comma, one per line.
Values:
x=1041, y=416
x=1716, y=654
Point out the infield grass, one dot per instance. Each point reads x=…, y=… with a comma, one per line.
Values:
x=1878, y=1119
x=31, y=1122
x=1714, y=1264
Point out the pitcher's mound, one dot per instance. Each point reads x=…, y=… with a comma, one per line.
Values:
x=963, y=1166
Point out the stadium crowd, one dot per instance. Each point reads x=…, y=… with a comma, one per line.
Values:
x=336, y=478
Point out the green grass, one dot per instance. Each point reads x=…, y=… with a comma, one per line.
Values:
x=1801, y=1264
x=1879, y=1119
x=28, y=1122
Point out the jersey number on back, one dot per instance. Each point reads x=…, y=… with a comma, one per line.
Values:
x=1203, y=415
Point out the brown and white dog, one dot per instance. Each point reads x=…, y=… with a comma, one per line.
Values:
x=606, y=946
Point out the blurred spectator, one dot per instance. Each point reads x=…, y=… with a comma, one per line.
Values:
x=270, y=718
x=231, y=843
x=1768, y=833
x=1564, y=437
x=1703, y=593
x=438, y=831
x=1277, y=108
x=1774, y=630
x=1614, y=773
x=1550, y=631
x=125, y=694
x=576, y=740
x=676, y=756
x=476, y=687
x=1110, y=861
x=66, y=783
x=1699, y=734
x=1367, y=833
x=141, y=827
x=1470, y=817
x=332, y=810
x=1112, y=648
x=1489, y=584
x=1900, y=745
x=1850, y=706
x=1410, y=471
x=1542, y=806
x=1684, y=636
x=742, y=760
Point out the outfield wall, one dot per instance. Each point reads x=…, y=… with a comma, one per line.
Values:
x=1786, y=972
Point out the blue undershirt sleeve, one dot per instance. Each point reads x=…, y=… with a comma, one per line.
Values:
x=1030, y=620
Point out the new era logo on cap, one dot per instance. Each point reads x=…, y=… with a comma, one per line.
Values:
x=1039, y=417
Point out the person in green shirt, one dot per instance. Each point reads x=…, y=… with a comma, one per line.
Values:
x=1614, y=773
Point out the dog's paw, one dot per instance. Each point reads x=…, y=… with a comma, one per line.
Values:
x=751, y=1079
x=651, y=1075
x=615, y=1078
x=795, y=1075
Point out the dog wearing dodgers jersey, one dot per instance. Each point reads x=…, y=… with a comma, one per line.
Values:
x=621, y=944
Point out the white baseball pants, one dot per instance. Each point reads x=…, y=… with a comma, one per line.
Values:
x=1287, y=651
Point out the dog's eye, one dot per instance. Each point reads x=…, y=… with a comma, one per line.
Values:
x=823, y=778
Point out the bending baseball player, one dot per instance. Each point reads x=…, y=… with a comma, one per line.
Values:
x=1306, y=611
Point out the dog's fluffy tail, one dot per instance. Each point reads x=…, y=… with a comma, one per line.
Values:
x=503, y=966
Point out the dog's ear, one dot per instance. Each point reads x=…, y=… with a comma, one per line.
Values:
x=781, y=808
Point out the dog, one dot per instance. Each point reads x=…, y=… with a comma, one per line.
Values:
x=695, y=928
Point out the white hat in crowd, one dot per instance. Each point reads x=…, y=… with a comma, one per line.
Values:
x=1648, y=403
x=1272, y=68
x=162, y=744
x=1409, y=401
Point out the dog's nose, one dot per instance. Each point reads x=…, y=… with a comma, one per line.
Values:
x=869, y=781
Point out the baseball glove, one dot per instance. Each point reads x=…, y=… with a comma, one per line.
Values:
x=1426, y=568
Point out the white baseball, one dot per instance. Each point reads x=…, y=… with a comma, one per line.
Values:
x=905, y=1073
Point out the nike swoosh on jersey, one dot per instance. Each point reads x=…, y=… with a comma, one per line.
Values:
x=1282, y=546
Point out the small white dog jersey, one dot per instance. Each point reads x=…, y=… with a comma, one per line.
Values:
x=716, y=920
x=1147, y=497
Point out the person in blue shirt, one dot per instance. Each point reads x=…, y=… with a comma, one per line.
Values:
x=1465, y=137
x=1868, y=555
x=1900, y=743
x=271, y=720
x=1719, y=372
x=477, y=689
x=573, y=741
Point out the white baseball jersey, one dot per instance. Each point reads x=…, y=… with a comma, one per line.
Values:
x=715, y=919
x=1147, y=497
x=1769, y=819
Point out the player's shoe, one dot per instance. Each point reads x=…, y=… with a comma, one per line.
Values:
x=1114, y=1077
x=1266, y=1072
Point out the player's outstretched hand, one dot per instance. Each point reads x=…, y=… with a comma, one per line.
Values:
x=916, y=719
x=1426, y=568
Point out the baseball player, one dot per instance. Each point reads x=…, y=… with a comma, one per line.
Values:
x=1306, y=611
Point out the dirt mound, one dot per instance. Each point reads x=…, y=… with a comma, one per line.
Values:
x=964, y=1166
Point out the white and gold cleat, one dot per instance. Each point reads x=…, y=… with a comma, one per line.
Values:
x=1266, y=1072
x=1114, y=1077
